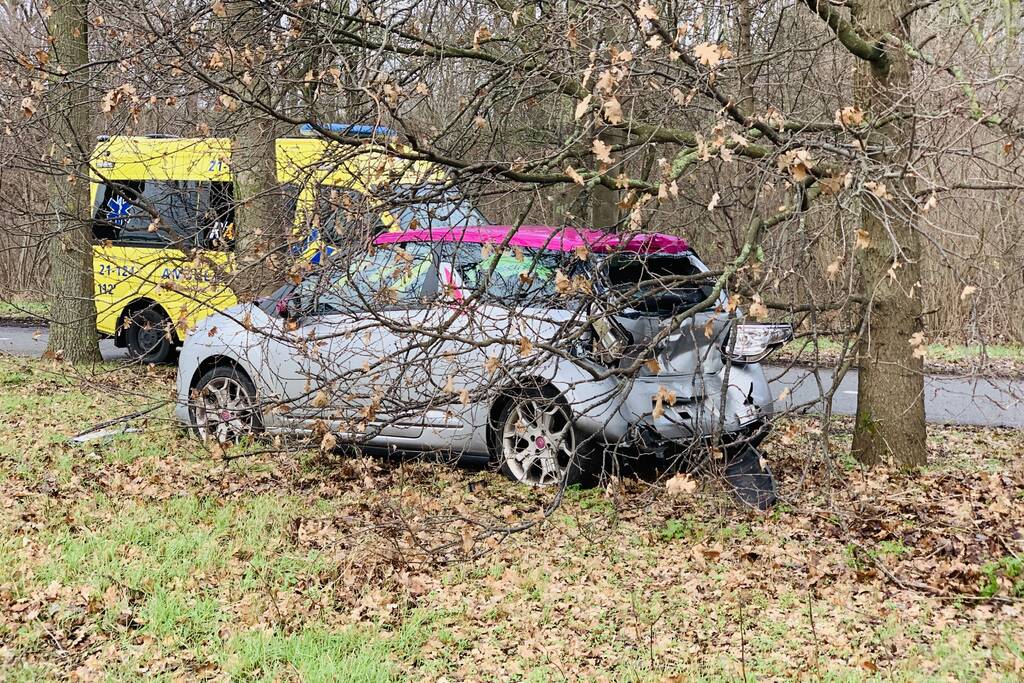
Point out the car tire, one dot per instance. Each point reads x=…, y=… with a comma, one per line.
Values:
x=148, y=335
x=537, y=443
x=224, y=406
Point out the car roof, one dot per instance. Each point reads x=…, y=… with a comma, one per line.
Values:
x=544, y=237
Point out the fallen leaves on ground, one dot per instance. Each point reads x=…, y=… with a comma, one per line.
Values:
x=142, y=555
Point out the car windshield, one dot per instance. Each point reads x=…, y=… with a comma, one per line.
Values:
x=383, y=278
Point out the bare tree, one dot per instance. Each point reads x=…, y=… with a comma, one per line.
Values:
x=73, y=330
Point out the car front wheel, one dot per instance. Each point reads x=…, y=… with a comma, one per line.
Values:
x=538, y=442
x=224, y=406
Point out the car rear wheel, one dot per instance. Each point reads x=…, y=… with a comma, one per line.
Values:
x=148, y=335
x=538, y=444
x=224, y=407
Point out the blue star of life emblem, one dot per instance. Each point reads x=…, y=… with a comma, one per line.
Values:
x=119, y=210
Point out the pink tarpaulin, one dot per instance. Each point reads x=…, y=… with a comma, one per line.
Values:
x=544, y=237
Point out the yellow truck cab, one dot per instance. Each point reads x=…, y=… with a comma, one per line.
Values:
x=163, y=221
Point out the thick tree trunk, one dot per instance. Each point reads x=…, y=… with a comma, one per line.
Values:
x=890, y=423
x=72, y=309
x=258, y=214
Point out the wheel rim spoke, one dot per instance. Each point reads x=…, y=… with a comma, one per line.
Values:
x=225, y=411
x=537, y=442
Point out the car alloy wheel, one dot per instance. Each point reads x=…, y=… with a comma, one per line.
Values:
x=538, y=443
x=225, y=407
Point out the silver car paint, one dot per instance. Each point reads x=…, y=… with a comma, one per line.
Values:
x=710, y=397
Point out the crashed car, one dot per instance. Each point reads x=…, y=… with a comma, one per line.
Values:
x=553, y=352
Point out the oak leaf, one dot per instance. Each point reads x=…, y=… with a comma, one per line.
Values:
x=646, y=11
x=602, y=151
x=612, y=111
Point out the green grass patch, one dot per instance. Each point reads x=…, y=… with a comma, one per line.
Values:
x=21, y=307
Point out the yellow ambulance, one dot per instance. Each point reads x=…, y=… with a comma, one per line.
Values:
x=163, y=218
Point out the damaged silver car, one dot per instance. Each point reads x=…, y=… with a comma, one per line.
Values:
x=556, y=353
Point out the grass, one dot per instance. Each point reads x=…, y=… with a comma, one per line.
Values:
x=143, y=556
x=21, y=307
x=940, y=355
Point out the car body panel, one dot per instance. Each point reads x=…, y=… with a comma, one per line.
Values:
x=464, y=353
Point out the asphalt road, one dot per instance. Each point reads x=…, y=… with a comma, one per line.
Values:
x=952, y=400
x=992, y=402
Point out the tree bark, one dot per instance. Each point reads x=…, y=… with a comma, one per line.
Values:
x=890, y=424
x=73, y=308
x=605, y=213
x=258, y=214
x=745, y=57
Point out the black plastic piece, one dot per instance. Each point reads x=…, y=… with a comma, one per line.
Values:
x=751, y=482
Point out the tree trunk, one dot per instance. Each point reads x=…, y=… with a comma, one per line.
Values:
x=745, y=57
x=605, y=213
x=73, y=309
x=258, y=214
x=890, y=423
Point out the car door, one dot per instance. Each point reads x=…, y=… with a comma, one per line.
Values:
x=356, y=339
x=482, y=298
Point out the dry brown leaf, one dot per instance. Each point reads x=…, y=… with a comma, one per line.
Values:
x=602, y=151
x=919, y=344
x=833, y=269
x=562, y=283
x=863, y=239
x=647, y=12
x=757, y=309
x=681, y=484
x=711, y=54
x=328, y=443
x=228, y=102
x=878, y=189
x=583, y=107
x=848, y=117
x=574, y=175
x=612, y=111
x=481, y=35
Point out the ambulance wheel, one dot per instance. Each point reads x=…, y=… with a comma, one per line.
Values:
x=149, y=336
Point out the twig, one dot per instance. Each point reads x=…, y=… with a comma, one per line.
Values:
x=123, y=418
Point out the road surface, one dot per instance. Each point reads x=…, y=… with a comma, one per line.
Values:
x=953, y=400
x=992, y=402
